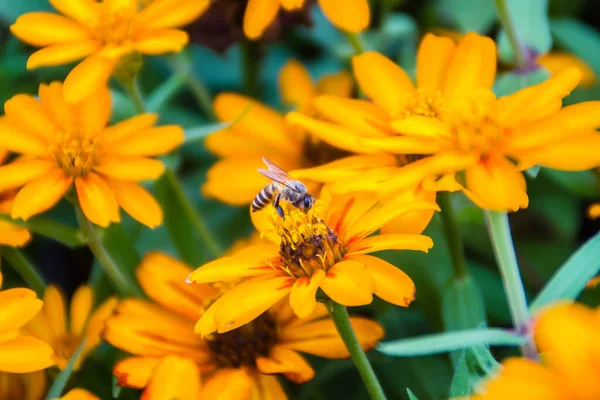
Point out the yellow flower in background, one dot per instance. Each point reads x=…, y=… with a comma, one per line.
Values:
x=69, y=144
x=567, y=339
x=20, y=353
x=260, y=131
x=102, y=33
x=556, y=62
x=30, y=386
x=66, y=331
x=10, y=234
x=325, y=248
x=348, y=15
x=460, y=133
x=170, y=361
x=593, y=211
x=79, y=394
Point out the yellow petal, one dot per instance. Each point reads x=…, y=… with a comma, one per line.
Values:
x=420, y=127
x=25, y=354
x=97, y=200
x=18, y=307
x=55, y=107
x=382, y=80
x=270, y=389
x=258, y=16
x=349, y=283
x=391, y=242
x=365, y=116
x=137, y=202
x=340, y=84
x=228, y=268
x=472, y=66
x=291, y=5
x=432, y=61
x=161, y=14
x=19, y=173
x=303, y=295
x=296, y=85
x=162, y=41
x=81, y=305
x=26, y=113
x=594, y=211
x=55, y=309
x=94, y=111
x=391, y=283
x=135, y=371
x=79, y=394
x=345, y=168
x=96, y=322
x=130, y=168
x=13, y=235
x=87, y=77
x=228, y=384
x=15, y=139
x=287, y=362
x=41, y=194
x=44, y=28
x=349, y=15
x=85, y=11
x=556, y=62
x=124, y=129
x=149, y=142
x=174, y=378
x=496, y=185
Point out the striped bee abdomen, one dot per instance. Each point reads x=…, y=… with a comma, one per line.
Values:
x=265, y=196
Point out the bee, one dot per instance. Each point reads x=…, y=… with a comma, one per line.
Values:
x=282, y=188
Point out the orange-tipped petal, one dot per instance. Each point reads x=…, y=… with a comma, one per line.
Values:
x=349, y=283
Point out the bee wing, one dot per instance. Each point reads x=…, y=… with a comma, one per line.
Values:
x=284, y=180
x=275, y=168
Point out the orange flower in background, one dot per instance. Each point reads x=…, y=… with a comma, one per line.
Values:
x=66, y=331
x=30, y=386
x=20, y=353
x=461, y=134
x=102, y=33
x=170, y=361
x=259, y=131
x=556, y=62
x=69, y=144
x=325, y=248
x=348, y=15
x=566, y=336
x=79, y=394
x=10, y=234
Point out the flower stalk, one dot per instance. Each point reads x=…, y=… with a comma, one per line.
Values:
x=504, y=250
x=511, y=32
x=357, y=42
x=25, y=269
x=452, y=233
x=132, y=88
x=340, y=317
x=251, y=58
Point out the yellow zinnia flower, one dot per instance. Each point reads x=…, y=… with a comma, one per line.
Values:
x=457, y=127
x=260, y=131
x=170, y=361
x=20, y=353
x=30, y=386
x=567, y=338
x=10, y=234
x=79, y=394
x=326, y=248
x=65, y=332
x=102, y=33
x=351, y=16
x=65, y=144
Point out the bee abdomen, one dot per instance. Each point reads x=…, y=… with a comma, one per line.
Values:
x=264, y=197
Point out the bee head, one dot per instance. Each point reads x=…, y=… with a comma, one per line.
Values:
x=307, y=202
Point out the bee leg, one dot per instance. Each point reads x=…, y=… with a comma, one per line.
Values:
x=277, y=206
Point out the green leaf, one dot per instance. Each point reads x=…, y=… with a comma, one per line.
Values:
x=510, y=82
x=468, y=15
x=578, y=38
x=411, y=395
x=67, y=235
x=461, y=382
x=201, y=132
x=530, y=19
x=572, y=276
x=449, y=341
x=26, y=270
x=165, y=92
x=10, y=10
x=583, y=184
x=61, y=380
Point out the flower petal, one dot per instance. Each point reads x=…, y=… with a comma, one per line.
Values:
x=135, y=372
x=137, y=202
x=85, y=11
x=15, y=139
x=372, y=244
x=287, y=362
x=130, y=168
x=228, y=384
x=96, y=322
x=13, y=235
x=79, y=394
x=296, y=86
x=345, y=168
x=228, y=268
x=41, y=194
x=161, y=14
x=130, y=127
x=97, y=200
x=162, y=41
x=44, y=28
x=258, y=16
x=364, y=116
x=87, y=77
x=433, y=58
x=55, y=309
x=556, y=62
x=26, y=113
x=81, y=306
x=149, y=142
x=25, y=354
x=173, y=378
x=94, y=111
x=349, y=283
x=340, y=84
x=20, y=172
x=413, y=222
x=383, y=81
x=303, y=295
x=18, y=307
x=270, y=389
x=349, y=15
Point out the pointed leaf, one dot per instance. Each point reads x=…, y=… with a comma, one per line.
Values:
x=61, y=380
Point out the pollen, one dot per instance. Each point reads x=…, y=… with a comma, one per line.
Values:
x=74, y=152
x=423, y=102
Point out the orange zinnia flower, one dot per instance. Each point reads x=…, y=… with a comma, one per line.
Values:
x=351, y=16
x=326, y=248
x=170, y=361
x=10, y=234
x=30, y=386
x=21, y=353
x=567, y=338
x=456, y=126
x=65, y=332
x=79, y=394
x=103, y=32
x=66, y=143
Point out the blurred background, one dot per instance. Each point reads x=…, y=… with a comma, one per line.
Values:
x=219, y=59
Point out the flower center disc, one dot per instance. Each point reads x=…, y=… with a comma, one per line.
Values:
x=66, y=345
x=74, y=153
x=423, y=102
x=242, y=346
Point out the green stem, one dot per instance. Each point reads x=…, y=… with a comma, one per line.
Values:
x=511, y=32
x=452, y=233
x=504, y=250
x=25, y=269
x=357, y=42
x=132, y=88
x=341, y=319
x=182, y=64
x=205, y=234
x=124, y=285
x=251, y=58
